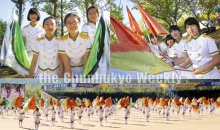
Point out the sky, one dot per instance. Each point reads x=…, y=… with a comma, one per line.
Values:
x=134, y=12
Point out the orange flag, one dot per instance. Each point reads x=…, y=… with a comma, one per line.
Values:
x=146, y=102
x=41, y=103
x=68, y=103
x=125, y=35
x=101, y=101
x=51, y=101
x=89, y=102
x=83, y=104
x=133, y=24
x=58, y=102
x=153, y=25
x=18, y=102
x=73, y=103
x=32, y=103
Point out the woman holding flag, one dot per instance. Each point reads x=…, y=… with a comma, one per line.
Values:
x=92, y=14
x=72, y=114
x=75, y=46
x=32, y=31
x=169, y=41
x=202, y=51
x=21, y=116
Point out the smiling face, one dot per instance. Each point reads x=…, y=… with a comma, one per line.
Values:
x=33, y=17
x=170, y=42
x=50, y=26
x=176, y=34
x=93, y=15
x=192, y=30
x=154, y=40
x=72, y=24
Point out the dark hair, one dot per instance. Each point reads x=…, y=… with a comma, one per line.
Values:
x=50, y=17
x=174, y=27
x=71, y=14
x=33, y=11
x=87, y=11
x=168, y=37
x=191, y=21
x=152, y=36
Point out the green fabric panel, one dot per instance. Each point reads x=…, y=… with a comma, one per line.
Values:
x=145, y=62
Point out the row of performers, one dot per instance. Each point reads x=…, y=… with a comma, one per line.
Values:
x=103, y=112
x=197, y=53
x=145, y=105
x=49, y=54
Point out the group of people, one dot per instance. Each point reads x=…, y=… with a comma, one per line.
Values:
x=12, y=90
x=197, y=53
x=181, y=108
x=53, y=56
x=102, y=112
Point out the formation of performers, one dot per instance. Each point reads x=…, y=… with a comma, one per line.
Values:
x=196, y=53
x=146, y=105
x=102, y=113
x=104, y=109
x=50, y=55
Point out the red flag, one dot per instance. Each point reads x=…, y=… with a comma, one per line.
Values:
x=133, y=24
x=125, y=35
x=58, y=102
x=68, y=102
x=51, y=101
x=73, y=103
x=32, y=104
x=155, y=27
x=41, y=103
x=18, y=102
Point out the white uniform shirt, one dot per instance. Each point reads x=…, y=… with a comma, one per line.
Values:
x=75, y=50
x=147, y=111
x=72, y=113
x=89, y=28
x=31, y=34
x=179, y=47
x=61, y=113
x=155, y=49
x=21, y=115
x=201, y=50
x=100, y=111
x=170, y=51
x=53, y=114
x=88, y=111
x=106, y=111
x=79, y=111
x=36, y=116
x=47, y=51
x=126, y=113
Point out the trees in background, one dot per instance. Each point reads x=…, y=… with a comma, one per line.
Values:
x=20, y=5
x=2, y=31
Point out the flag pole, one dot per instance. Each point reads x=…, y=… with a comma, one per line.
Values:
x=154, y=37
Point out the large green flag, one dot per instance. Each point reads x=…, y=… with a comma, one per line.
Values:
x=19, y=48
x=98, y=60
x=13, y=53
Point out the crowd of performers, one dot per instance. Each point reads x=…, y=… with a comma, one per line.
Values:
x=197, y=53
x=104, y=111
x=50, y=55
x=163, y=107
